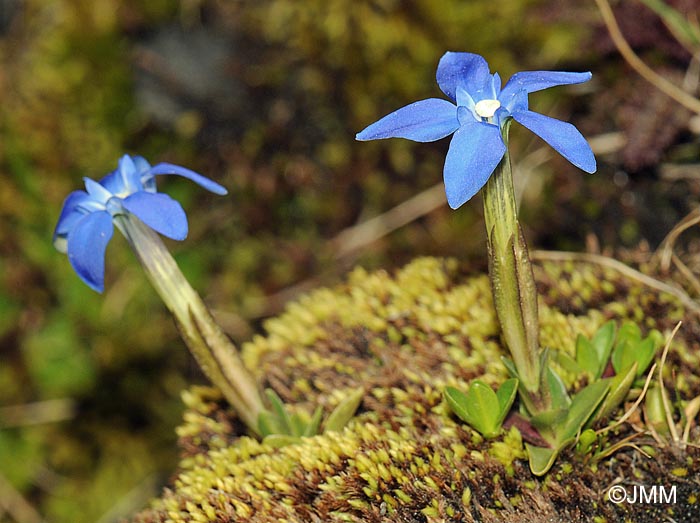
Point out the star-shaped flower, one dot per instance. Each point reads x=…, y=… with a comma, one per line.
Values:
x=481, y=110
x=85, y=225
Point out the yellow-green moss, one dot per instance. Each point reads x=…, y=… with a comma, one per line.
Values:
x=403, y=337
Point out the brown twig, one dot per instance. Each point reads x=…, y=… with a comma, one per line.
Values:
x=12, y=502
x=364, y=233
x=664, y=395
x=37, y=413
x=664, y=253
x=620, y=267
x=634, y=406
x=663, y=85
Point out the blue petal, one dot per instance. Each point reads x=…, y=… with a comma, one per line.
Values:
x=562, y=136
x=475, y=150
x=96, y=191
x=514, y=100
x=86, y=247
x=126, y=178
x=131, y=176
x=422, y=121
x=533, y=81
x=73, y=209
x=142, y=167
x=169, y=168
x=160, y=212
x=466, y=70
x=114, y=182
x=141, y=164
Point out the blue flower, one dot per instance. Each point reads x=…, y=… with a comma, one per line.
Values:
x=481, y=110
x=85, y=225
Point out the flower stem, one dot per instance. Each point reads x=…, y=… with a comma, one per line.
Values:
x=214, y=352
x=512, y=280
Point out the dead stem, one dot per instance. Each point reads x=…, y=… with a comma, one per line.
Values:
x=37, y=413
x=665, y=251
x=663, y=85
x=664, y=395
x=366, y=232
x=685, y=271
x=15, y=505
x=620, y=267
x=634, y=407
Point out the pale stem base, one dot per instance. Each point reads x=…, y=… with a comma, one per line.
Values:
x=512, y=280
x=214, y=352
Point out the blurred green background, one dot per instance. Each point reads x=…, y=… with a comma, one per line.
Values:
x=265, y=97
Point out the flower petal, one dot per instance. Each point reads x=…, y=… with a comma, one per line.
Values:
x=514, y=100
x=467, y=70
x=141, y=164
x=114, y=183
x=475, y=150
x=130, y=175
x=169, y=168
x=533, y=81
x=96, y=191
x=86, y=246
x=73, y=209
x=160, y=212
x=422, y=121
x=562, y=136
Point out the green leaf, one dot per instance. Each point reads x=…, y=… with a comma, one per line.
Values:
x=602, y=343
x=314, y=423
x=268, y=424
x=655, y=410
x=298, y=424
x=583, y=405
x=458, y=401
x=281, y=440
x=484, y=408
x=506, y=395
x=629, y=333
x=479, y=407
x=284, y=422
x=279, y=423
x=557, y=390
x=541, y=458
x=510, y=366
x=344, y=411
x=645, y=354
x=630, y=348
x=567, y=362
x=619, y=388
x=587, y=356
x=545, y=421
x=623, y=355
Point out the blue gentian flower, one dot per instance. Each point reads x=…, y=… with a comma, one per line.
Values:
x=85, y=225
x=481, y=110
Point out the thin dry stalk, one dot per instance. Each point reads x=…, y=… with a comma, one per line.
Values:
x=664, y=253
x=664, y=395
x=663, y=85
x=620, y=267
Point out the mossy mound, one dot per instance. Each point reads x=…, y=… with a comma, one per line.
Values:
x=404, y=458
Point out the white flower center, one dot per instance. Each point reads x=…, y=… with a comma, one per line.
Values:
x=487, y=108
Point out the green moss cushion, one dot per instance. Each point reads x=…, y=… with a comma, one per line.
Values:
x=404, y=458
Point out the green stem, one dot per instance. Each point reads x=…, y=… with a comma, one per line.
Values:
x=512, y=281
x=214, y=352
